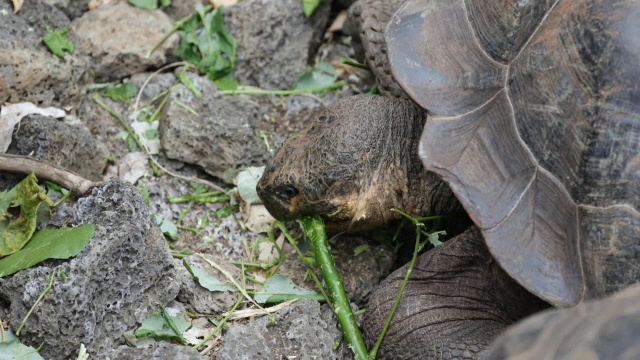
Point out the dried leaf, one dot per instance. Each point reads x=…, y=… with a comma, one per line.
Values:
x=17, y=5
x=218, y=3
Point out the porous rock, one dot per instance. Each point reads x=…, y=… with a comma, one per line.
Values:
x=303, y=330
x=158, y=351
x=275, y=48
x=28, y=71
x=70, y=146
x=72, y=8
x=220, y=137
x=112, y=285
x=118, y=47
x=203, y=300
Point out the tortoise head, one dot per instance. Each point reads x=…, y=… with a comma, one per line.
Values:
x=349, y=166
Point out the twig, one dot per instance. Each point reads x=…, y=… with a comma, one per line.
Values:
x=43, y=170
x=187, y=178
x=177, y=64
x=4, y=338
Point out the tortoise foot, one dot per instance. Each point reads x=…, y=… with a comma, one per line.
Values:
x=456, y=302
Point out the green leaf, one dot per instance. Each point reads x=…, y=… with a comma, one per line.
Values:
x=320, y=76
x=207, y=280
x=207, y=44
x=167, y=227
x=58, y=43
x=227, y=82
x=360, y=249
x=434, y=238
x=60, y=243
x=145, y=4
x=279, y=288
x=309, y=6
x=15, y=231
x=12, y=349
x=120, y=92
x=225, y=211
x=157, y=327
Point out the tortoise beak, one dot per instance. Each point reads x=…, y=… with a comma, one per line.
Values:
x=279, y=208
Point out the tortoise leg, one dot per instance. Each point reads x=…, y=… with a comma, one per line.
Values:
x=456, y=302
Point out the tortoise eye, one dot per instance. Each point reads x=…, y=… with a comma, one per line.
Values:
x=287, y=192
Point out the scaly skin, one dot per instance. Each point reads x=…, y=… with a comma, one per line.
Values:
x=366, y=25
x=354, y=164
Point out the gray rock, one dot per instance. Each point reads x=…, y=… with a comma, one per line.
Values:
x=275, y=48
x=158, y=351
x=183, y=8
x=203, y=300
x=39, y=14
x=113, y=284
x=360, y=274
x=220, y=137
x=69, y=146
x=156, y=85
x=118, y=47
x=72, y=8
x=28, y=71
x=301, y=331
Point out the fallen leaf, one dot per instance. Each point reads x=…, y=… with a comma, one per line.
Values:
x=11, y=114
x=206, y=280
x=60, y=243
x=257, y=218
x=246, y=182
x=133, y=166
x=157, y=327
x=322, y=75
x=280, y=288
x=218, y=3
x=17, y=5
x=338, y=22
x=13, y=349
x=15, y=231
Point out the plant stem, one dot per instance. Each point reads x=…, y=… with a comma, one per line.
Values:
x=224, y=320
x=126, y=126
x=416, y=249
x=335, y=85
x=42, y=295
x=314, y=228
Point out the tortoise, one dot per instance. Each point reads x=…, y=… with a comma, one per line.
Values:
x=526, y=114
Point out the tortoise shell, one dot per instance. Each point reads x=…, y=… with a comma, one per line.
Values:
x=534, y=121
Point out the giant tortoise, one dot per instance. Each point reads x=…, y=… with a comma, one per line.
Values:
x=526, y=114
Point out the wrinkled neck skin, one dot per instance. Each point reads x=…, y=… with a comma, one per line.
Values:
x=355, y=163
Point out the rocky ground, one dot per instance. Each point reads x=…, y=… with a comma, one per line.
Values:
x=136, y=261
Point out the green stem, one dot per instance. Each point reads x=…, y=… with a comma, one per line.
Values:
x=416, y=249
x=335, y=85
x=309, y=268
x=126, y=126
x=354, y=63
x=314, y=228
x=224, y=320
x=42, y=295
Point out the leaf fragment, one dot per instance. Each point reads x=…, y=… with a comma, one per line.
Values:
x=58, y=42
x=46, y=244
